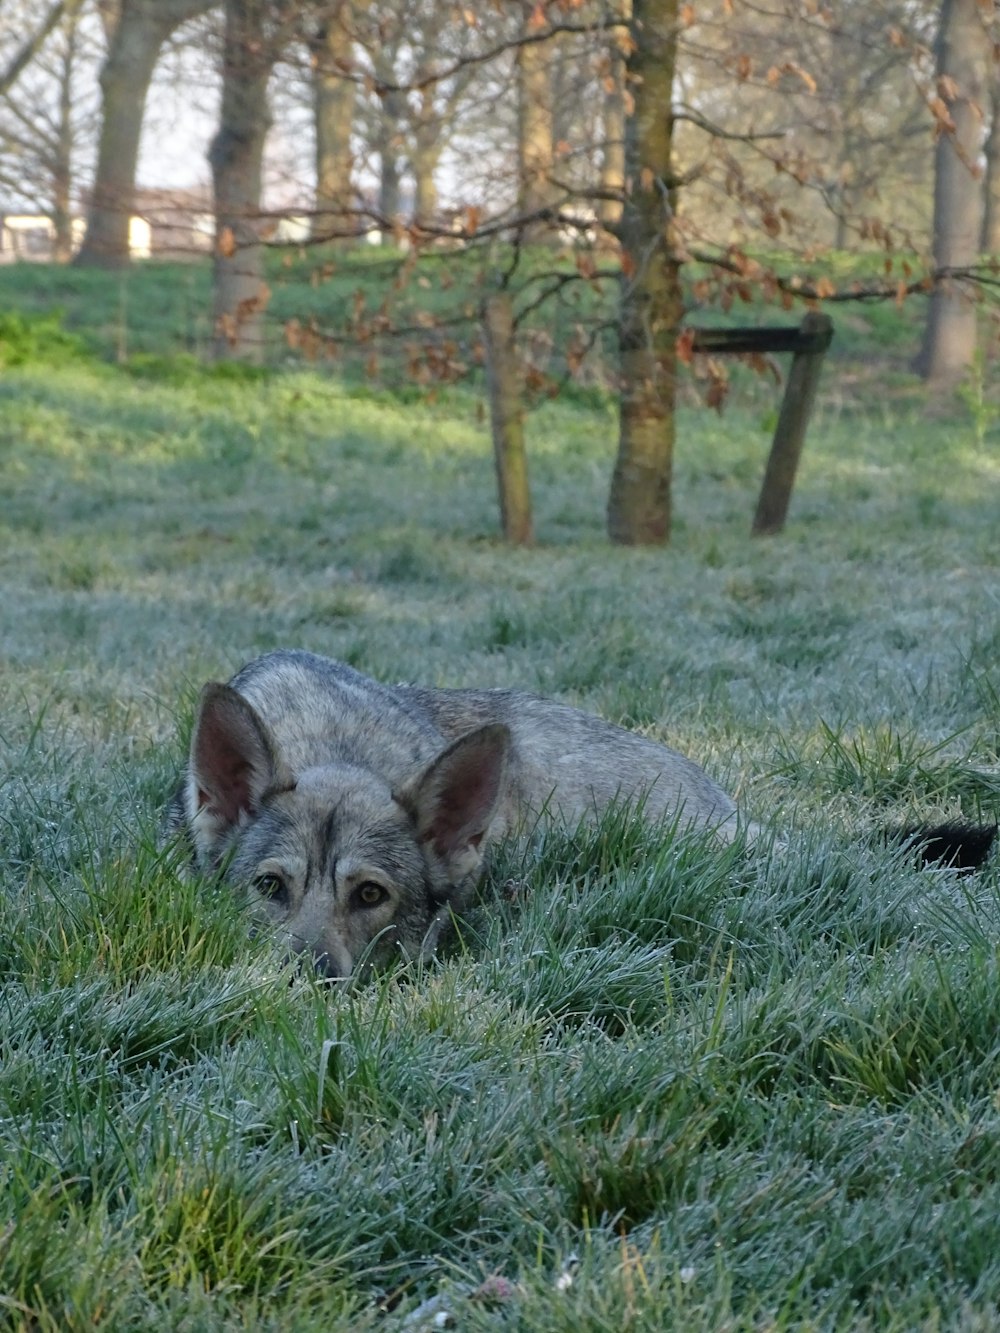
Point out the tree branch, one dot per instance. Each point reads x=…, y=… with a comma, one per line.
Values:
x=32, y=45
x=717, y=132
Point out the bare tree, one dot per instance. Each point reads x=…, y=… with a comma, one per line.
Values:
x=421, y=57
x=44, y=115
x=29, y=46
x=256, y=33
x=536, y=133
x=335, y=93
x=435, y=105
x=236, y=157
x=137, y=31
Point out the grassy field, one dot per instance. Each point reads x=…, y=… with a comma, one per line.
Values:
x=652, y=1084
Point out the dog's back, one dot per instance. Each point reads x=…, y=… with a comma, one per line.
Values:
x=562, y=760
x=571, y=763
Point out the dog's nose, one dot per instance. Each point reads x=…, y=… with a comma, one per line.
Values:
x=333, y=969
x=327, y=958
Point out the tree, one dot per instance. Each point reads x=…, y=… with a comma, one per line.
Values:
x=435, y=105
x=44, y=113
x=384, y=42
x=950, y=332
x=989, y=238
x=535, y=128
x=612, y=175
x=236, y=156
x=652, y=303
x=727, y=153
x=419, y=61
x=29, y=46
x=507, y=419
x=137, y=30
x=331, y=48
x=834, y=86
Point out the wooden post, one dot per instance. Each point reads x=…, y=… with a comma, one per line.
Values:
x=796, y=407
x=507, y=419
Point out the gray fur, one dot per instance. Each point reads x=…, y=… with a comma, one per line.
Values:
x=359, y=814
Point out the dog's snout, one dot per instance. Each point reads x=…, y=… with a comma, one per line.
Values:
x=327, y=966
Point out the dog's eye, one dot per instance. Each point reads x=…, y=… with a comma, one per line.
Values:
x=370, y=894
x=271, y=886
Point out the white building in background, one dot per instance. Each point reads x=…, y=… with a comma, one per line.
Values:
x=32, y=236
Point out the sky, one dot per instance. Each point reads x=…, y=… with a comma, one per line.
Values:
x=178, y=125
x=181, y=119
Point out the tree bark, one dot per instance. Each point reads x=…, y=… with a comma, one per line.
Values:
x=507, y=420
x=651, y=300
x=334, y=100
x=387, y=144
x=62, y=165
x=236, y=156
x=427, y=145
x=989, y=237
x=137, y=35
x=425, y=189
x=535, y=146
x=613, y=156
x=950, y=332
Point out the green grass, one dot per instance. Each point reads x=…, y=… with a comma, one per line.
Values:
x=652, y=1083
x=382, y=311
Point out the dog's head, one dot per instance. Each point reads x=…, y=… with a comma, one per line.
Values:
x=348, y=867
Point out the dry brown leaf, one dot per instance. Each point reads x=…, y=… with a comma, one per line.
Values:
x=537, y=18
x=226, y=243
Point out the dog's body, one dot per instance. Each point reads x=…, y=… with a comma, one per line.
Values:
x=360, y=813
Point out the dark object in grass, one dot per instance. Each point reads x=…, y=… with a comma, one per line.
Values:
x=956, y=844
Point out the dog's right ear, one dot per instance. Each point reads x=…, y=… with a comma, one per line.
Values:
x=457, y=798
x=234, y=762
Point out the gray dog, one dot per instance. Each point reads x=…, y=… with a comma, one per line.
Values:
x=359, y=814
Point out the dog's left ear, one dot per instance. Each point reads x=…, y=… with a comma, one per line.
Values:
x=234, y=764
x=457, y=797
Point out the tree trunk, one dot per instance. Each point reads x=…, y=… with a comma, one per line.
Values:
x=507, y=420
x=334, y=99
x=989, y=238
x=651, y=301
x=388, y=145
x=425, y=186
x=62, y=161
x=236, y=156
x=536, y=147
x=427, y=143
x=428, y=140
x=950, y=332
x=613, y=158
x=141, y=28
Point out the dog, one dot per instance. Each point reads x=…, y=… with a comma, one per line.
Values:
x=358, y=815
